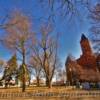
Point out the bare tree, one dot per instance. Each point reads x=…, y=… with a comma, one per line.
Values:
x=62, y=75
x=18, y=38
x=64, y=8
x=95, y=29
x=45, y=52
x=38, y=71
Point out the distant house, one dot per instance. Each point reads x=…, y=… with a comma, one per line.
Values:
x=86, y=68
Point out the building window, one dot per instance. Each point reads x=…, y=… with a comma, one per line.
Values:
x=98, y=64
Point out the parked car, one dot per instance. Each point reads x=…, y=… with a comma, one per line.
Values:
x=86, y=86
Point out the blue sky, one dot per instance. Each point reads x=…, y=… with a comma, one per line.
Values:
x=70, y=33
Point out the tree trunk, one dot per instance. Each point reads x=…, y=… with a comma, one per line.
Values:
x=23, y=79
x=48, y=83
x=38, y=81
x=6, y=85
x=23, y=65
x=23, y=84
x=23, y=54
x=29, y=82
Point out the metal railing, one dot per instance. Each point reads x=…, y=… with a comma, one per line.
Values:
x=69, y=94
